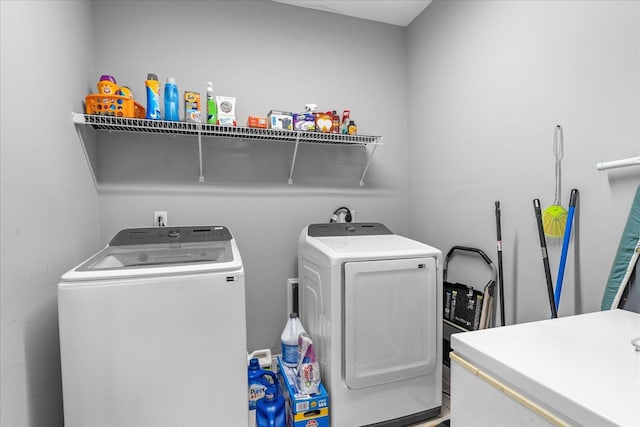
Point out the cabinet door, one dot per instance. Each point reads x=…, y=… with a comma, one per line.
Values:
x=390, y=320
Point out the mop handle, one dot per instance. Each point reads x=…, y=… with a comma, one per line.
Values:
x=499, y=245
x=565, y=246
x=545, y=257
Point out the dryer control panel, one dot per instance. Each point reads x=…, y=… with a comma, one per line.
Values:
x=347, y=229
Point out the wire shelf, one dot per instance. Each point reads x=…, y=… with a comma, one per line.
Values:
x=123, y=124
x=200, y=130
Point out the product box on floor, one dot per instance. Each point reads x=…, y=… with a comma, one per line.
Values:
x=303, y=410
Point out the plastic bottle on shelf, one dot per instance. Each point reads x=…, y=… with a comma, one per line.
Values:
x=107, y=85
x=171, y=100
x=353, y=128
x=152, y=86
x=335, y=122
x=212, y=106
x=270, y=411
x=344, y=124
x=289, y=340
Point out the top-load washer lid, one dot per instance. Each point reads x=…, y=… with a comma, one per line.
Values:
x=161, y=250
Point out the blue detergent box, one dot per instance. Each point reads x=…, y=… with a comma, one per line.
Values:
x=303, y=410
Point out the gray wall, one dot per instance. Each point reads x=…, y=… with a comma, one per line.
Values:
x=49, y=217
x=489, y=82
x=269, y=56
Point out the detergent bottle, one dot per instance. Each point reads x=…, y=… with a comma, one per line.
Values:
x=259, y=379
x=270, y=409
x=152, y=86
x=289, y=340
x=171, y=100
x=212, y=105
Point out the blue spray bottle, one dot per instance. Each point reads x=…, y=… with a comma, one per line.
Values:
x=171, y=101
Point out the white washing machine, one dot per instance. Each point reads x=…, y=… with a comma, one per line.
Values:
x=153, y=331
x=372, y=302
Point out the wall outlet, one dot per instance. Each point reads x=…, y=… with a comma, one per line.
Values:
x=160, y=219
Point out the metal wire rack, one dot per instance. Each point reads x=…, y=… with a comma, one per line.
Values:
x=124, y=124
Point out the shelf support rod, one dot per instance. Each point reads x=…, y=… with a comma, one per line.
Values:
x=293, y=161
x=364, y=172
x=201, y=178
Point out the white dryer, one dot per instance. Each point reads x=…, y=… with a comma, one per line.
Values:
x=372, y=302
x=153, y=331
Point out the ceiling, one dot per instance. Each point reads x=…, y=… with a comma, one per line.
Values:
x=396, y=12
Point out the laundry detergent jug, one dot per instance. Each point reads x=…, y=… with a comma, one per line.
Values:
x=270, y=409
x=259, y=380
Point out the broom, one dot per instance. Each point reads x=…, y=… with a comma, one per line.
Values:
x=554, y=217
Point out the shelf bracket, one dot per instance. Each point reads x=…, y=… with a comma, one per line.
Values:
x=293, y=161
x=366, y=168
x=201, y=177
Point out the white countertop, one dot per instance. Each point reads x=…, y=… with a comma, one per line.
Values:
x=583, y=366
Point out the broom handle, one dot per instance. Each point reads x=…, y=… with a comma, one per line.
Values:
x=545, y=257
x=500, y=279
x=558, y=151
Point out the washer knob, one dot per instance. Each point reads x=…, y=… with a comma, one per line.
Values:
x=350, y=228
x=174, y=233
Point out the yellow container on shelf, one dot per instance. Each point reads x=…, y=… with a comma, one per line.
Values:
x=107, y=85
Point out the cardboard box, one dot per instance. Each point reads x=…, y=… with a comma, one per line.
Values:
x=191, y=106
x=280, y=120
x=304, y=122
x=257, y=122
x=303, y=410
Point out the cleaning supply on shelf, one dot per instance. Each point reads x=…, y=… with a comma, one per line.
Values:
x=171, y=100
x=192, y=106
x=335, y=122
x=107, y=85
x=270, y=410
x=258, y=380
x=289, y=340
x=226, y=110
x=152, y=86
x=125, y=91
x=344, y=124
x=212, y=106
x=305, y=121
x=257, y=122
x=353, y=128
x=308, y=370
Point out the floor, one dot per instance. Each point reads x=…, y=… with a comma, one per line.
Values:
x=443, y=419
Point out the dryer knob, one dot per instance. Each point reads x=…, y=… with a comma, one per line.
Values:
x=173, y=233
x=350, y=228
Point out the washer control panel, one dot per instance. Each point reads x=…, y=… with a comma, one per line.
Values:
x=143, y=236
